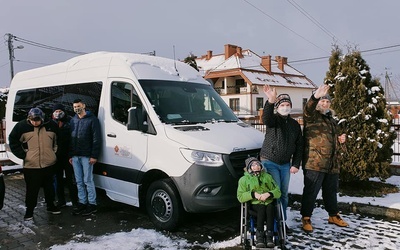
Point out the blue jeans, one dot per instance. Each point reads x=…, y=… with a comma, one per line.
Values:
x=281, y=175
x=84, y=180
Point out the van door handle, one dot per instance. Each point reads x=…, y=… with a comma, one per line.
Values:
x=112, y=135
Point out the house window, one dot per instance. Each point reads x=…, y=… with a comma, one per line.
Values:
x=234, y=104
x=240, y=83
x=304, y=102
x=259, y=103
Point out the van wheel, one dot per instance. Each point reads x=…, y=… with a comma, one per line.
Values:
x=163, y=205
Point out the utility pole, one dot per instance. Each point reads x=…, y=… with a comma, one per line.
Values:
x=11, y=53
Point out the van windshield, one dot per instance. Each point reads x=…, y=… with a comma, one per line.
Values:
x=186, y=102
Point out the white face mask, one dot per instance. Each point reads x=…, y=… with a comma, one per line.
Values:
x=58, y=114
x=284, y=110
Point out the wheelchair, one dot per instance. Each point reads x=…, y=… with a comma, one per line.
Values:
x=248, y=226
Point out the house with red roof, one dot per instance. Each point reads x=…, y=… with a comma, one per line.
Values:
x=239, y=76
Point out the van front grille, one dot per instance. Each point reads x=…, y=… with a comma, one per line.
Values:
x=237, y=159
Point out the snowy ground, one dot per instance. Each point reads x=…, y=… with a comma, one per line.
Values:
x=363, y=233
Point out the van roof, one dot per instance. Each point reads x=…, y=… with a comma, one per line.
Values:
x=99, y=65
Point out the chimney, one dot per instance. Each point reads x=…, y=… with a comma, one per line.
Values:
x=209, y=54
x=266, y=63
x=239, y=52
x=229, y=50
x=281, y=62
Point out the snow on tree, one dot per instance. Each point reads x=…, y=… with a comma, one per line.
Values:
x=360, y=108
x=3, y=100
x=191, y=60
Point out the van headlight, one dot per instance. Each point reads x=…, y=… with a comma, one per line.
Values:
x=202, y=158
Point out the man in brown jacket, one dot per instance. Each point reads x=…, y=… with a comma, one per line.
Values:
x=320, y=166
x=35, y=141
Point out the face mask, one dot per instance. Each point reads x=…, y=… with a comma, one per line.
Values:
x=284, y=110
x=78, y=110
x=58, y=115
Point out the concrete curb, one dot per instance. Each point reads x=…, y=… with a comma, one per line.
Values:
x=357, y=208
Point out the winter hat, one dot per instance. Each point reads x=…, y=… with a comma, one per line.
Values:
x=35, y=113
x=58, y=106
x=283, y=98
x=249, y=161
x=327, y=97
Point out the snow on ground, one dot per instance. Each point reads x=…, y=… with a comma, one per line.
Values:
x=364, y=234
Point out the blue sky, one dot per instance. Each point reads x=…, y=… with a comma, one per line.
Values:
x=275, y=27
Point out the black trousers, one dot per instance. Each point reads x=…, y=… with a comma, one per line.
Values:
x=34, y=180
x=2, y=190
x=264, y=213
x=62, y=166
x=313, y=182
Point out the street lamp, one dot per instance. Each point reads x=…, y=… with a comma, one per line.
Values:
x=11, y=49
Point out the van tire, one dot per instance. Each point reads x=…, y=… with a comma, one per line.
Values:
x=163, y=205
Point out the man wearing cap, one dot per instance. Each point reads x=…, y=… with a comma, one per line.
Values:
x=35, y=141
x=282, y=149
x=63, y=167
x=321, y=170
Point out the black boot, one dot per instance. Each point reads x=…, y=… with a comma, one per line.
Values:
x=260, y=239
x=270, y=240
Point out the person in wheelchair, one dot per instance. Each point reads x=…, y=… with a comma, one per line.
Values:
x=259, y=188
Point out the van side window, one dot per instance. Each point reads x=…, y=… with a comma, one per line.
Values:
x=123, y=96
x=45, y=97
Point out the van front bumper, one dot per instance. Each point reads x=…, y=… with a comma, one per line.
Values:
x=208, y=189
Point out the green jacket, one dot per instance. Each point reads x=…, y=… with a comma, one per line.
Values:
x=261, y=184
x=320, y=140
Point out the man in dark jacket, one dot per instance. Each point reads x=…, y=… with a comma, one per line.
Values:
x=63, y=168
x=35, y=141
x=321, y=169
x=85, y=150
x=283, y=143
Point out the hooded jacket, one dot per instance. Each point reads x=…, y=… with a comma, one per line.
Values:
x=320, y=138
x=37, y=146
x=250, y=183
x=283, y=142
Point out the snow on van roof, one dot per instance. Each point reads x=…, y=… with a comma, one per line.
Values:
x=160, y=67
x=142, y=66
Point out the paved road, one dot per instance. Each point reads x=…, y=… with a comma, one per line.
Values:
x=47, y=230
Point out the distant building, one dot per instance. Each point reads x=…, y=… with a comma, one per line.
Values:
x=239, y=76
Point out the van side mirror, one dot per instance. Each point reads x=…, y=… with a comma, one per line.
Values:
x=137, y=119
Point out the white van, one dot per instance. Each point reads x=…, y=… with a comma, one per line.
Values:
x=170, y=142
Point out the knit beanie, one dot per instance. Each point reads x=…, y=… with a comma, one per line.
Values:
x=327, y=97
x=58, y=106
x=35, y=113
x=249, y=161
x=283, y=98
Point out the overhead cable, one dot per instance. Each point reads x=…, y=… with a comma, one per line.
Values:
x=294, y=32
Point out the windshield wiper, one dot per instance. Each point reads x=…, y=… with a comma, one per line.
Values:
x=220, y=120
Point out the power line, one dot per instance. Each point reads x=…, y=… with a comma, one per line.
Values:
x=294, y=32
x=32, y=62
x=362, y=51
x=44, y=46
x=3, y=65
x=312, y=19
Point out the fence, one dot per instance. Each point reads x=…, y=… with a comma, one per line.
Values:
x=396, y=145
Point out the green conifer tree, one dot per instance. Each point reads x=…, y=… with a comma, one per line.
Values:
x=191, y=60
x=360, y=107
